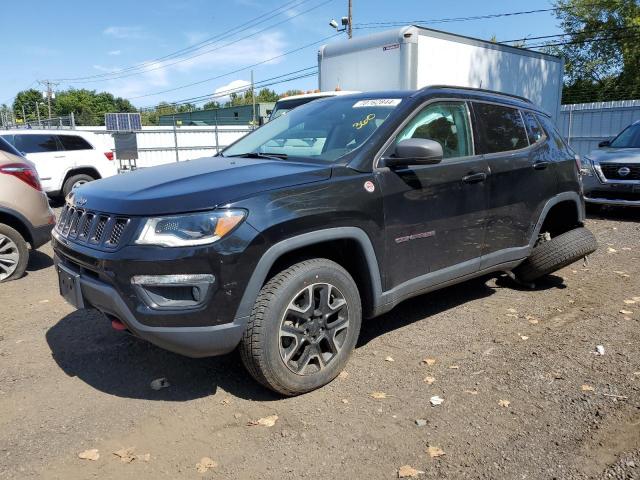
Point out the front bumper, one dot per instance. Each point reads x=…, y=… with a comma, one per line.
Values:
x=107, y=281
x=625, y=194
x=189, y=341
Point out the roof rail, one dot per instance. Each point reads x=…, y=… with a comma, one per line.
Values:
x=482, y=90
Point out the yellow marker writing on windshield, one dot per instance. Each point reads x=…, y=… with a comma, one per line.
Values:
x=364, y=122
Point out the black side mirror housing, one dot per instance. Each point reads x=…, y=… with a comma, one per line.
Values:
x=605, y=143
x=415, y=151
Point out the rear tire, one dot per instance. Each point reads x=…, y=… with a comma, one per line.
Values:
x=556, y=253
x=14, y=254
x=74, y=182
x=303, y=327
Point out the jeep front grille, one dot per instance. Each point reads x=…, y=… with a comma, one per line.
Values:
x=92, y=228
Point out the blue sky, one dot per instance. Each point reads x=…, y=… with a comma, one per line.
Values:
x=70, y=39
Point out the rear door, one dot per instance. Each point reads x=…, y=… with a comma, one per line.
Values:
x=77, y=150
x=522, y=178
x=46, y=153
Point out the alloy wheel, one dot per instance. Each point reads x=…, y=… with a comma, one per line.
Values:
x=9, y=257
x=313, y=329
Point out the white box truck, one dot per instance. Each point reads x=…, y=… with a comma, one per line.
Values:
x=414, y=57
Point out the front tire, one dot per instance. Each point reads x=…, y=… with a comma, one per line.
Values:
x=14, y=254
x=74, y=182
x=556, y=253
x=303, y=327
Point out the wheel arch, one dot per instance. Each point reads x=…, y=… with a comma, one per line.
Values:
x=560, y=214
x=84, y=170
x=18, y=222
x=348, y=246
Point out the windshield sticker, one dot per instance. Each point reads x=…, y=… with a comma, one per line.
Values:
x=365, y=121
x=378, y=102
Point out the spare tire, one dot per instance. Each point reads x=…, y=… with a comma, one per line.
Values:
x=557, y=253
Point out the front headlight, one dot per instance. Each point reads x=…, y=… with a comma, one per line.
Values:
x=189, y=229
x=586, y=170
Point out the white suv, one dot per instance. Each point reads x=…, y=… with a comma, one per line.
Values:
x=64, y=159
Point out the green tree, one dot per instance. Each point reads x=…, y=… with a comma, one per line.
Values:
x=29, y=99
x=602, y=58
x=211, y=105
x=89, y=106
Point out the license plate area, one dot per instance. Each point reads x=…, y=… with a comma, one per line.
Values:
x=69, y=284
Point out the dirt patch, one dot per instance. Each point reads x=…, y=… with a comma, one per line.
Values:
x=509, y=365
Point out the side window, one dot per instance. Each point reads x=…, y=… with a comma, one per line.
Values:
x=6, y=146
x=73, y=142
x=36, y=143
x=445, y=122
x=501, y=128
x=534, y=130
x=554, y=135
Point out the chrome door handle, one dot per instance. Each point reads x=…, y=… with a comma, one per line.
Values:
x=474, y=178
x=540, y=165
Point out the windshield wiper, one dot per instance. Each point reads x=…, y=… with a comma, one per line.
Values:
x=277, y=156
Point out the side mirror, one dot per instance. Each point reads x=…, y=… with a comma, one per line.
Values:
x=605, y=143
x=415, y=151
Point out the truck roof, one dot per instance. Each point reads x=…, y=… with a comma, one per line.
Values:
x=409, y=34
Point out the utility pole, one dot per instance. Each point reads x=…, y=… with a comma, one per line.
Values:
x=253, y=100
x=38, y=112
x=24, y=116
x=350, y=24
x=49, y=91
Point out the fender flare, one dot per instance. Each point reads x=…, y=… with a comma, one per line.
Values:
x=26, y=224
x=553, y=201
x=269, y=258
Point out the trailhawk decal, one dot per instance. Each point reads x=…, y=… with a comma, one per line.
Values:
x=415, y=236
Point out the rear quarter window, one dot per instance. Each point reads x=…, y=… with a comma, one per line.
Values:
x=74, y=142
x=36, y=143
x=500, y=128
x=534, y=130
x=555, y=139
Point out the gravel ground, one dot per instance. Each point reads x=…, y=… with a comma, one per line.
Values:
x=525, y=395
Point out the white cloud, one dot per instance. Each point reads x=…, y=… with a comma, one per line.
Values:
x=195, y=37
x=114, y=53
x=236, y=86
x=124, y=32
x=167, y=73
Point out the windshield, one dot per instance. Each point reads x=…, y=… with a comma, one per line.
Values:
x=324, y=130
x=629, y=138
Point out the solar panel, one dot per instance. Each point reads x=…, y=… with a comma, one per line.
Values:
x=122, y=122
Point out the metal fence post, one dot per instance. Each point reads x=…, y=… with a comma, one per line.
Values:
x=73, y=121
x=570, y=124
x=175, y=138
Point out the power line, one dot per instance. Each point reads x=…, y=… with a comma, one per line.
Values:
x=184, y=59
x=199, y=82
x=207, y=41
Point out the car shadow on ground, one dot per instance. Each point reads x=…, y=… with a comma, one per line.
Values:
x=38, y=261
x=621, y=214
x=85, y=346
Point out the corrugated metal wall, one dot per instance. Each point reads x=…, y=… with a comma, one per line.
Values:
x=156, y=145
x=584, y=125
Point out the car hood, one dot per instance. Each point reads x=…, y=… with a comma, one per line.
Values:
x=193, y=185
x=615, y=155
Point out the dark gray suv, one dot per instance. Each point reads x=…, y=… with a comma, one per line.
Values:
x=611, y=174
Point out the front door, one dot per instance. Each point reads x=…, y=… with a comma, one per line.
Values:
x=435, y=214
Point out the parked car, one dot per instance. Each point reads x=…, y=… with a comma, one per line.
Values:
x=285, y=104
x=65, y=159
x=611, y=174
x=284, y=255
x=25, y=216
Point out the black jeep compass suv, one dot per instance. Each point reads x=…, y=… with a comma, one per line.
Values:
x=339, y=210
